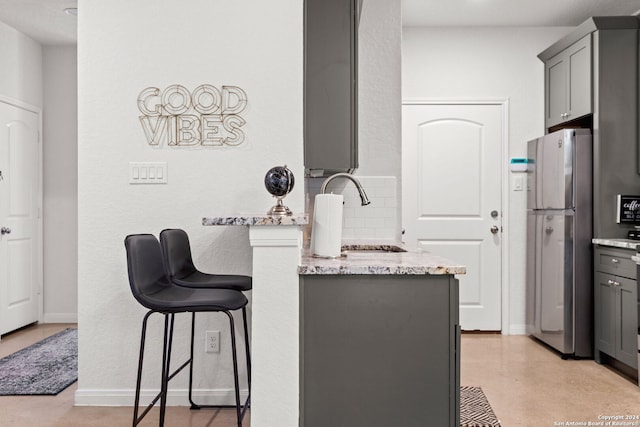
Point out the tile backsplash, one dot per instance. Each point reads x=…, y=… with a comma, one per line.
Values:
x=377, y=221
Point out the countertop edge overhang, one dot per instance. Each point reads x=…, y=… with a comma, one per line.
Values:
x=258, y=219
x=394, y=263
x=618, y=243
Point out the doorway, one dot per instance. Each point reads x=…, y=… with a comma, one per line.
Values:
x=453, y=157
x=20, y=216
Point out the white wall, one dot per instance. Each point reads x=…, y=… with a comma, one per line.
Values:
x=379, y=127
x=60, y=121
x=21, y=70
x=255, y=45
x=487, y=63
x=379, y=88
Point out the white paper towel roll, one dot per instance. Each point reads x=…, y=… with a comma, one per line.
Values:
x=326, y=232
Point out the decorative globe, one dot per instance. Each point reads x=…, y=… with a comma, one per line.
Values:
x=279, y=182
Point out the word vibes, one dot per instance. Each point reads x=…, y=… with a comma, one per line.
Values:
x=206, y=116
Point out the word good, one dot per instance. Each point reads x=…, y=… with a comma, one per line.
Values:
x=205, y=117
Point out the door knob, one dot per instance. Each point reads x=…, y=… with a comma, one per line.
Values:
x=494, y=229
x=5, y=230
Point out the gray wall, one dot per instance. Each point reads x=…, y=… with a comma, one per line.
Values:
x=60, y=147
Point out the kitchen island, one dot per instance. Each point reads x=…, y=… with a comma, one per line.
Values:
x=379, y=340
x=379, y=330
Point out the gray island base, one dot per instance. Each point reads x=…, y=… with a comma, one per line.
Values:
x=379, y=350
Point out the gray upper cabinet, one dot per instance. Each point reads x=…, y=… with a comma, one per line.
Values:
x=568, y=83
x=330, y=86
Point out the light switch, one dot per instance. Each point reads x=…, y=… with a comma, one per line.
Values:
x=517, y=183
x=147, y=172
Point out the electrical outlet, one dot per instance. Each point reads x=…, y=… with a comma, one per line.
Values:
x=212, y=342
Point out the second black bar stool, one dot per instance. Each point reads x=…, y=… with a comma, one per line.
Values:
x=179, y=266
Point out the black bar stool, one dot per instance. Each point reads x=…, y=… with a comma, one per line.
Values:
x=178, y=261
x=179, y=265
x=152, y=288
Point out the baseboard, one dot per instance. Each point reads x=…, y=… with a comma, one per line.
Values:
x=176, y=397
x=518, y=330
x=60, y=318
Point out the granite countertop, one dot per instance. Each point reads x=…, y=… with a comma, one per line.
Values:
x=618, y=243
x=371, y=262
x=258, y=219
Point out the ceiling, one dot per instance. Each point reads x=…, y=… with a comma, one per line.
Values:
x=42, y=20
x=46, y=22
x=511, y=13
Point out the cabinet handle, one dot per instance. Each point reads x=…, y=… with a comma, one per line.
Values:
x=615, y=260
x=611, y=282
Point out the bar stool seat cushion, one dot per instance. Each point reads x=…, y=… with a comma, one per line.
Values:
x=199, y=279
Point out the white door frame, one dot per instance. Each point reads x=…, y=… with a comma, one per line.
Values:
x=504, y=191
x=40, y=233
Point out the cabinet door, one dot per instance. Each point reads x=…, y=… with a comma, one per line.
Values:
x=605, y=308
x=556, y=89
x=330, y=95
x=627, y=322
x=579, y=72
x=379, y=351
x=568, y=83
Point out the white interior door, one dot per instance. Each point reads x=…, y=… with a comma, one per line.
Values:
x=20, y=197
x=452, y=185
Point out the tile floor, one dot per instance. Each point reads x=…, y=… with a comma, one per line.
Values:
x=527, y=385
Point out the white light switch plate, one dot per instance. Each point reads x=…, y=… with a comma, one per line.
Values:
x=147, y=172
x=517, y=183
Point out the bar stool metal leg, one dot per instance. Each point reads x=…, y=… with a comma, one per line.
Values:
x=166, y=374
x=136, y=403
x=166, y=364
x=193, y=328
x=246, y=347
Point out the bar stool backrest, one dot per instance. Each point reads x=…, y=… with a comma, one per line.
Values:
x=144, y=264
x=177, y=253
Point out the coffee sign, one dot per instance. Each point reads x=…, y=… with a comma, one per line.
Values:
x=206, y=116
x=628, y=209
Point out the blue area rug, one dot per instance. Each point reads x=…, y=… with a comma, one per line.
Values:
x=44, y=368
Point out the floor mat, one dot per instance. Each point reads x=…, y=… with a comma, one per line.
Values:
x=475, y=410
x=44, y=368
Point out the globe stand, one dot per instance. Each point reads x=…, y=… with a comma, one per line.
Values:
x=280, y=209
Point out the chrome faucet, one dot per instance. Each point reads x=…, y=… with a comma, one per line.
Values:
x=363, y=195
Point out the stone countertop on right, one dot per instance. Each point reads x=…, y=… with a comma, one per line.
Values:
x=618, y=243
x=370, y=262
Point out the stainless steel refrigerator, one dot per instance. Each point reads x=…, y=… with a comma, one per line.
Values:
x=559, y=292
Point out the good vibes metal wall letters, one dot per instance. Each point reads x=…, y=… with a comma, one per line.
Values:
x=206, y=117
